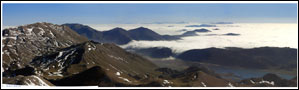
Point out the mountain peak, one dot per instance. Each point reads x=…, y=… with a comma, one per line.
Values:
x=30, y=25
x=142, y=33
x=117, y=29
x=142, y=28
x=202, y=30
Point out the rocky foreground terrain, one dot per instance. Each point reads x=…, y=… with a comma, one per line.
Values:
x=45, y=54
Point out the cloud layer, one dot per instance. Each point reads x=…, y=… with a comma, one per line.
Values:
x=252, y=35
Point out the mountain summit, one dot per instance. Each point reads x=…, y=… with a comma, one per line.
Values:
x=142, y=33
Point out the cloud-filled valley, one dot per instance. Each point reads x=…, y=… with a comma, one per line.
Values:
x=251, y=35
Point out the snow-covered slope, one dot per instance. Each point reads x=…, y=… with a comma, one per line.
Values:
x=21, y=44
x=77, y=58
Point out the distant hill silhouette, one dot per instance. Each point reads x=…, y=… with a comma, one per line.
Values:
x=202, y=25
x=259, y=58
x=119, y=35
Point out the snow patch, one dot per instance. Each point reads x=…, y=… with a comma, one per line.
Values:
x=114, y=68
x=203, y=84
x=41, y=82
x=230, y=85
x=263, y=81
x=166, y=82
x=37, y=80
x=169, y=58
x=268, y=82
x=91, y=47
x=56, y=43
x=145, y=76
x=252, y=82
x=41, y=32
x=29, y=30
x=52, y=35
x=117, y=73
x=60, y=54
x=55, y=74
x=14, y=38
x=118, y=58
x=19, y=65
x=9, y=45
x=29, y=83
x=125, y=79
x=194, y=77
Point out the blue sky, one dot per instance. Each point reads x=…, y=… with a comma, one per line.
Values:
x=17, y=14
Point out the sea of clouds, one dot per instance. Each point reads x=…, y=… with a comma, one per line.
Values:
x=252, y=35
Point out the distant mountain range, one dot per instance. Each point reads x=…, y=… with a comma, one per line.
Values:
x=258, y=58
x=201, y=25
x=255, y=58
x=222, y=23
x=182, y=22
x=119, y=35
x=193, y=32
x=154, y=52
